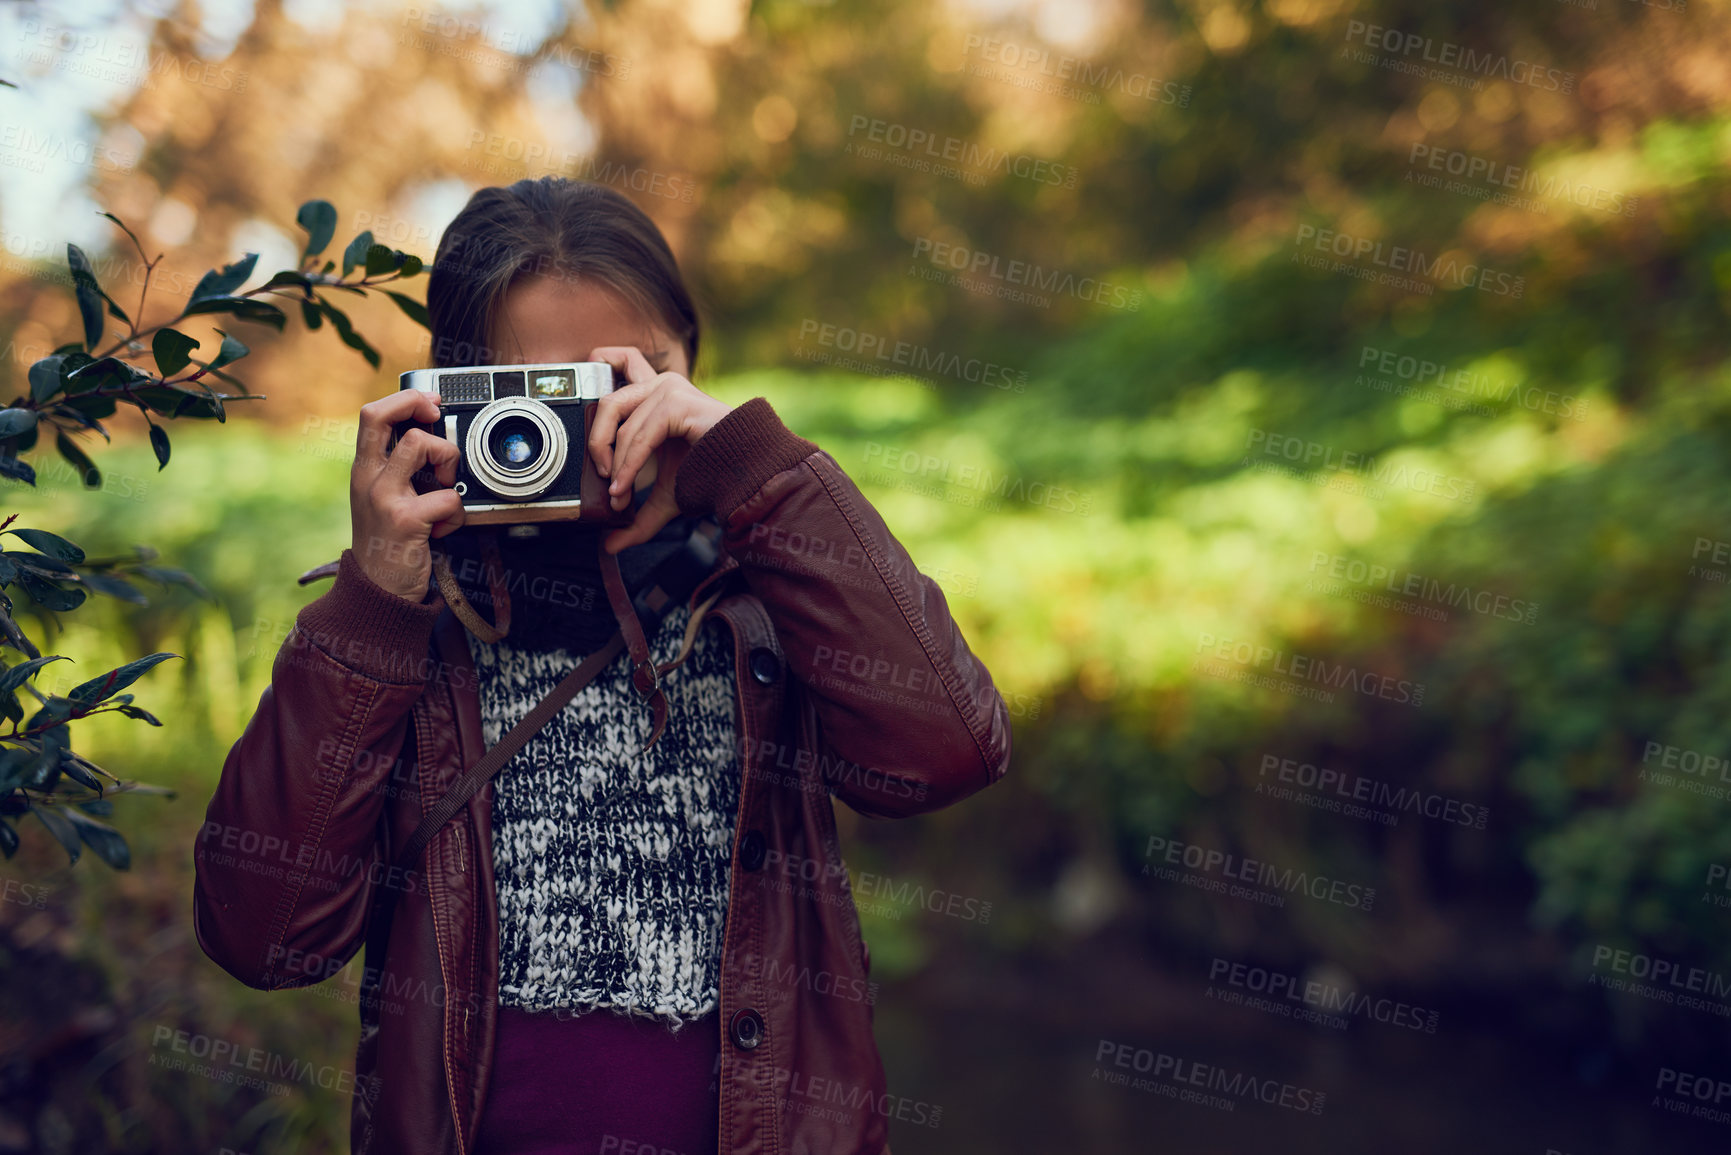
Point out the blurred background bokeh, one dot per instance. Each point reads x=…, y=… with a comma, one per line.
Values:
x=1315, y=411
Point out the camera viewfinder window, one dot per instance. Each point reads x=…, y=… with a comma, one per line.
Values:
x=508, y=384
x=546, y=383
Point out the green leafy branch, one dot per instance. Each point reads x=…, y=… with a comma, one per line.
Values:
x=79, y=384
x=40, y=774
x=70, y=392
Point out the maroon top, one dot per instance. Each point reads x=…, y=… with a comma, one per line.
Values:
x=601, y=1083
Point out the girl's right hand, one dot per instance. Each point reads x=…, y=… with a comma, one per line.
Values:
x=392, y=523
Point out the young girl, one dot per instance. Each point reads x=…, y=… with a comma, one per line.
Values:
x=609, y=949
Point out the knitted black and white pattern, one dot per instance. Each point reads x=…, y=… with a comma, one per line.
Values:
x=611, y=866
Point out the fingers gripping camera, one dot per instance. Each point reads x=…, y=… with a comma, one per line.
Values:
x=522, y=436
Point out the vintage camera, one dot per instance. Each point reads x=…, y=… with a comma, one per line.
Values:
x=523, y=435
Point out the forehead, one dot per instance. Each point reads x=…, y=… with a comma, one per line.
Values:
x=546, y=319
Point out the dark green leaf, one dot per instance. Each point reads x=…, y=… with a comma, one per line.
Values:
x=233, y=349
x=311, y=315
x=12, y=467
x=114, y=587
x=215, y=401
x=45, y=378
x=52, y=715
x=146, y=788
x=176, y=577
x=103, y=839
x=356, y=253
x=47, y=568
x=71, y=362
x=140, y=712
x=72, y=453
x=109, y=371
x=101, y=807
x=15, y=636
x=60, y=827
x=382, y=259
x=221, y=283
x=16, y=676
x=91, y=406
x=8, y=836
x=16, y=762
x=98, y=689
x=70, y=413
x=340, y=321
x=411, y=265
x=125, y=230
x=167, y=400
x=245, y=308
x=48, y=595
x=319, y=219
x=159, y=445
x=246, y=393
x=80, y=775
x=289, y=277
x=90, y=296
x=85, y=772
x=43, y=566
x=51, y=544
x=173, y=350
x=416, y=311
x=101, y=688
x=44, y=773
x=16, y=421
x=177, y=400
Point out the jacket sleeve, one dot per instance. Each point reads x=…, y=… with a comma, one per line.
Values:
x=288, y=856
x=909, y=714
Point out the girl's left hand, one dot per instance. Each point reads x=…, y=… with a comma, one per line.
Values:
x=660, y=414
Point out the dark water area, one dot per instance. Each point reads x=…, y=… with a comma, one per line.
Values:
x=1024, y=1077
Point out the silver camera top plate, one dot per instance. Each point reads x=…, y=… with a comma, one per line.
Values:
x=479, y=384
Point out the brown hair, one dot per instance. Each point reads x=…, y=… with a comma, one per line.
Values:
x=549, y=227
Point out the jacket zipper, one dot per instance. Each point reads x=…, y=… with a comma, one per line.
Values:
x=439, y=951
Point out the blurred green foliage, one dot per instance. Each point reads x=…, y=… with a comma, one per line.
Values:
x=1094, y=527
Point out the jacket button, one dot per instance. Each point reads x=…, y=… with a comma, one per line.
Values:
x=746, y=1029
x=765, y=665
x=752, y=848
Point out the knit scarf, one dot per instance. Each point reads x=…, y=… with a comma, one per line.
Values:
x=553, y=579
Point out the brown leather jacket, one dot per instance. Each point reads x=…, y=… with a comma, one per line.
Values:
x=852, y=679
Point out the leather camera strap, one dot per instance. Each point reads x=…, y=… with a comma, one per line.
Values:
x=494, y=567
x=645, y=678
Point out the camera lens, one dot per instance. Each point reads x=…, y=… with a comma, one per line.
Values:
x=516, y=447
x=514, y=443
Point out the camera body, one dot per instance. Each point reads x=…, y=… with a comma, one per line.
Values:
x=522, y=435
